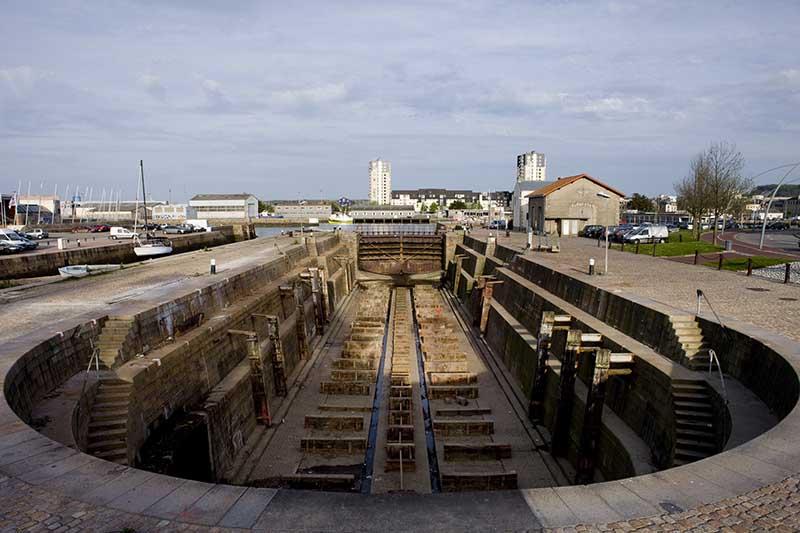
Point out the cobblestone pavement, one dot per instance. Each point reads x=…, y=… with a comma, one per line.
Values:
x=772, y=508
x=778, y=272
x=761, y=302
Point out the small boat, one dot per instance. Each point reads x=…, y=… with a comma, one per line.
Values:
x=340, y=218
x=151, y=246
x=81, y=271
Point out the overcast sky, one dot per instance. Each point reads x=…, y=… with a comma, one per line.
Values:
x=292, y=99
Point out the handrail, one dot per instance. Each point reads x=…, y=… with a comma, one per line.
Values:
x=701, y=296
x=712, y=358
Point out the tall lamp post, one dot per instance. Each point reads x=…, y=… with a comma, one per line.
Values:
x=769, y=205
x=605, y=260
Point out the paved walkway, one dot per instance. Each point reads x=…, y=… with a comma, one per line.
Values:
x=764, y=303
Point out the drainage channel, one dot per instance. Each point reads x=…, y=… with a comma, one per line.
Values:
x=369, y=457
x=430, y=441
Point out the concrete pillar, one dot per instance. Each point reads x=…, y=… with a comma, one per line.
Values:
x=536, y=410
x=458, y=260
x=288, y=304
x=311, y=246
x=600, y=361
x=566, y=390
x=316, y=298
x=258, y=377
x=486, y=302
x=325, y=294
x=278, y=367
x=491, y=244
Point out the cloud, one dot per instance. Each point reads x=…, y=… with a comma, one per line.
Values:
x=153, y=86
x=310, y=96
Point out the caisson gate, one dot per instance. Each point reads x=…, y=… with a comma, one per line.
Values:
x=393, y=378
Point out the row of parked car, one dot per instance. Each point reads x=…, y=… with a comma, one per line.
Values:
x=118, y=232
x=13, y=241
x=630, y=233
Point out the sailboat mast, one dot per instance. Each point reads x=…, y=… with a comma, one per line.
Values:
x=144, y=195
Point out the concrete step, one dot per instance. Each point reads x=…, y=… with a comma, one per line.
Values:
x=107, y=424
x=695, y=406
x=116, y=385
x=693, y=415
x=697, y=445
x=686, y=338
x=110, y=414
x=689, y=424
x=690, y=455
x=106, y=445
x=697, y=434
x=112, y=395
x=691, y=387
x=681, y=396
x=109, y=405
x=107, y=434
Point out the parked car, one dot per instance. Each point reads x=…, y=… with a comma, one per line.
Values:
x=170, y=229
x=672, y=228
x=8, y=248
x=37, y=234
x=118, y=232
x=777, y=225
x=81, y=229
x=151, y=226
x=621, y=231
x=731, y=225
x=592, y=231
x=100, y=228
x=648, y=234
x=13, y=238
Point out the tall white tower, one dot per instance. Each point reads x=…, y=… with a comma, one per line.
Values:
x=531, y=166
x=380, y=181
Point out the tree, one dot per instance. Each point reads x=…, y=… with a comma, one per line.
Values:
x=640, y=202
x=264, y=206
x=434, y=208
x=458, y=204
x=692, y=191
x=724, y=181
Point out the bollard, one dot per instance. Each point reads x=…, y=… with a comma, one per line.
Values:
x=680, y=237
x=654, y=248
x=696, y=254
x=719, y=262
x=749, y=266
x=622, y=247
x=598, y=242
x=591, y=266
x=788, y=274
x=637, y=247
x=213, y=266
x=79, y=243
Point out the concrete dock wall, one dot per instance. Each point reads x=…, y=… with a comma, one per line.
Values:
x=47, y=264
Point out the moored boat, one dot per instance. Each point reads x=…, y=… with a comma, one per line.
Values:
x=81, y=271
x=150, y=246
x=340, y=218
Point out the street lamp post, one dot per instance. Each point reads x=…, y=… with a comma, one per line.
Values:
x=605, y=260
x=769, y=205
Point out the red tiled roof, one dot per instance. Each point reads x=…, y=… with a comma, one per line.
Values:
x=562, y=182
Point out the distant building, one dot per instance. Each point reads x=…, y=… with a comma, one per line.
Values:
x=568, y=204
x=99, y=211
x=371, y=212
x=223, y=207
x=792, y=207
x=666, y=203
x=303, y=211
x=380, y=182
x=46, y=207
x=531, y=166
x=169, y=212
x=8, y=209
x=421, y=199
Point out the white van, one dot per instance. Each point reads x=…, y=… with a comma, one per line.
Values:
x=645, y=234
x=122, y=233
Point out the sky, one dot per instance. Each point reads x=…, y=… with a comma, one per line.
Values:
x=290, y=100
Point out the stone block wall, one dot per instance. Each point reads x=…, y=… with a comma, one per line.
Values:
x=230, y=418
x=48, y=365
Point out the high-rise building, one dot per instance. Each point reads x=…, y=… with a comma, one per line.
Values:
x=531, y=166
x=380, y=182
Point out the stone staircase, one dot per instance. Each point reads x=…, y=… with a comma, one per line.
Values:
x=108, y=423
x=691, y=342
x=111, y=340
x=695, y=437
